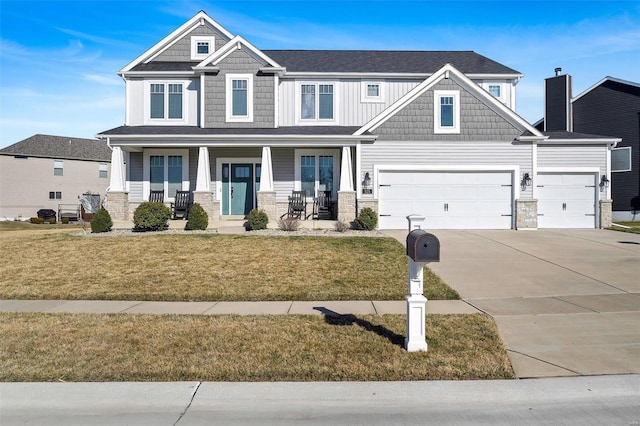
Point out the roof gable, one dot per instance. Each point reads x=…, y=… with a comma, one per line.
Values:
x=236, y=43
x=61, y=147
x=634, y=87
x=201, y=18
x=449, y=72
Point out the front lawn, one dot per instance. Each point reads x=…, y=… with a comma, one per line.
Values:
x=42, y=262
x=126, y=347
x=631, y=227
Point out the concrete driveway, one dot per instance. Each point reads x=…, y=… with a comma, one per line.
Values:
x=567, y=302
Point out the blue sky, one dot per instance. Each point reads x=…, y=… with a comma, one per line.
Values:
x=58, y=59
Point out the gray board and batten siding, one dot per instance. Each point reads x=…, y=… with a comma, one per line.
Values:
x=181, y=50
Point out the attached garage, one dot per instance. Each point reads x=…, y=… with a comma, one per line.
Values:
x=567, y=200
x=448, y=199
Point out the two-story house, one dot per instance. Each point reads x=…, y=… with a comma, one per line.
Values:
x=403, y=132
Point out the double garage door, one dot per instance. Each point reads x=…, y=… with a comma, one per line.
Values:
x=566, y=200
x=448, y=199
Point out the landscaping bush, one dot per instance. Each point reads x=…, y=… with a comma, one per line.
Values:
x=151, y=216
x=37, y=220
x=52, y=221
x=198, y=219
x=367, y=220
x=256, y=220
x=342, y=226
x=100, y=222
x=289, y=224
x=65, y=220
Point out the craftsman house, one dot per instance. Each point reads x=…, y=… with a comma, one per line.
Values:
x=433, y=133
x=47, y=172
x=609, y=107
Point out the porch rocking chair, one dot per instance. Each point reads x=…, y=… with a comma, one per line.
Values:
x=156, y=196
x=181, y=206
x=297, y=205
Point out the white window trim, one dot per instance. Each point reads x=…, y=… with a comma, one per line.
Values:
x=317, y=152
x=316, y=121
x=146, y=170
x=630, y=159
x=229, y=98
x=61, y=164
x=103, y=167
x=365, y=98
x=165, y=120
x=503, y=89
x=194, y=46
x=437, y=128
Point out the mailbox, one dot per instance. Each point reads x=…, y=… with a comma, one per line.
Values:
x=423, y=247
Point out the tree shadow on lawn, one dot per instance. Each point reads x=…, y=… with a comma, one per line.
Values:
x=334, y=318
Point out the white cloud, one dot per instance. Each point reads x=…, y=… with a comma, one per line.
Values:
x=108, y=80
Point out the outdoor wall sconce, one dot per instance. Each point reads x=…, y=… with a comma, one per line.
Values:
x=604, y=182
x=366, y=184
x=526, y=181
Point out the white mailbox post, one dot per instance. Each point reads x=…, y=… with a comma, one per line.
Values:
x=422, y=247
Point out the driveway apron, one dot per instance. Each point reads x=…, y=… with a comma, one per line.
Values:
x=566, y=302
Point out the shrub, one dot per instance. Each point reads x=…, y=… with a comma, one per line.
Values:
x=289, y=224
x=65, y=220
x=367, y=220
x=37, y=220
x=52, y=220
x=101, y=221
x=198, y=218
x=151, y=216
x=256, y=220
x=342, y=226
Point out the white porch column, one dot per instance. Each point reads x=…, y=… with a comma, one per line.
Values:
x=266, y=170
x=117, y=181
x=203, y=178
x=346, y=170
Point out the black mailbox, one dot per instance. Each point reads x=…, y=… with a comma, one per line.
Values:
x=423, y=247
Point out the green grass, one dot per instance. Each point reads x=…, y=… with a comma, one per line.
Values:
x=47, y=263
x=125, y=347
x=633, y=227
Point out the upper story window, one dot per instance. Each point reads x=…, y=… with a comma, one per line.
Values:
x=58, y=167
x=372, y=91
x=163, y=106
x=202, y=46
x=102, y=170
x=446, y=111
x=495, y=90
x=316, y=101
x=621, y=159
x=239, y=97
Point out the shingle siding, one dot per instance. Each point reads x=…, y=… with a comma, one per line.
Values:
x=612, y=109
x=416, y=120
x=181, y=50
x=239, y=62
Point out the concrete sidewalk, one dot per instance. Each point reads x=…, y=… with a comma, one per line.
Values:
x=357, y=307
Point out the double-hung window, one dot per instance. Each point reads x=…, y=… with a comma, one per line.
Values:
x=446, y=107
x=163, y=107
x=317, y=101
x=167, y=172
x=239, y=97
x=102, y=170
x=58, y=167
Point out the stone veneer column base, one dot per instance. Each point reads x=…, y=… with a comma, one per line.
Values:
x=118, y=205
x=267, y=203
x=606, y=218
x=347, y=206
x=526, y=214
x=372, y=203
x=205, y=199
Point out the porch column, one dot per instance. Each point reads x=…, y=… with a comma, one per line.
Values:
x=117, y=202
x=203, y=195
x=267, y=195
x=346, y=193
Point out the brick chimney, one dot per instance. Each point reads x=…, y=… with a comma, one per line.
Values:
x=558, y=115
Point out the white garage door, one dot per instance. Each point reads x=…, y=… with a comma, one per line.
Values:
x=448, y=200
x=566, y=200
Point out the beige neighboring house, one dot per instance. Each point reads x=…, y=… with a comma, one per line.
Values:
x=44, y=171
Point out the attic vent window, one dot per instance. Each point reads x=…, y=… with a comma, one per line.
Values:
x=201, y=47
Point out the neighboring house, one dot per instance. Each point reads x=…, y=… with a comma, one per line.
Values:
x=43, y=171
x=609, y=107
x=403, y=132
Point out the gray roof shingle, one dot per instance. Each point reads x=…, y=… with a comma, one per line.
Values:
x=61, y=147
x=194, y=130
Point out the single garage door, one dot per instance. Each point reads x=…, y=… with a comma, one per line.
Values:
x=566, y=200
x=448, y=200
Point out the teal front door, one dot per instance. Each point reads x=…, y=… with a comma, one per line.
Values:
x=237, y=189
